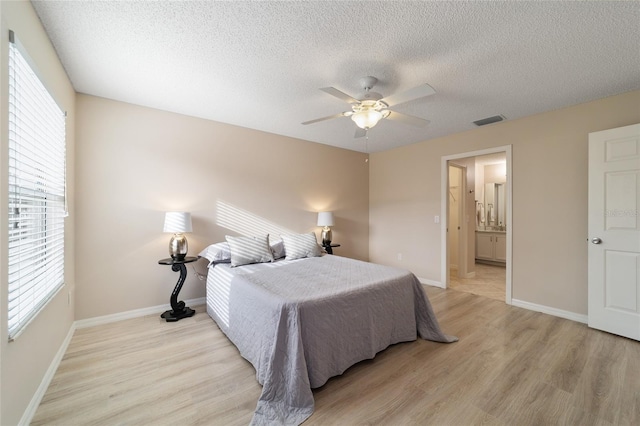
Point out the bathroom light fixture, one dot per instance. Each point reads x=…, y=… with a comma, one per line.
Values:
x=325, y=219
x=178, y=223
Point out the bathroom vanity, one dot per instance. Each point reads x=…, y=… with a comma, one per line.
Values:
x=491, y=246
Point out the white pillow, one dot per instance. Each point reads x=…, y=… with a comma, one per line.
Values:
x=217, y=253
x=245, y=250
x=297, y=246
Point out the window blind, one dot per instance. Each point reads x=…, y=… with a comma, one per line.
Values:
x=37, y=190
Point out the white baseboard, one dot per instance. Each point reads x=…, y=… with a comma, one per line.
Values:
x=136, y=313
x=550, y=311
x=527, y=305
x=28, y=414
x=430, y=282
x=89, y=322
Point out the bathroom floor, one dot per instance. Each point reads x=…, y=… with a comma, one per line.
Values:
x=490, y=281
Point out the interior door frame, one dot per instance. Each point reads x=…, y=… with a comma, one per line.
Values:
x=444, y=206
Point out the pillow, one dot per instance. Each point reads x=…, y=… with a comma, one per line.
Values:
x=217, y=253
x=277, y=248
x=245, y=250
x=297, y=246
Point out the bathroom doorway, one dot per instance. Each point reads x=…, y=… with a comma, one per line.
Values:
x=476, y=233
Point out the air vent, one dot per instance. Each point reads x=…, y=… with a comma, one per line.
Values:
x=489, y=120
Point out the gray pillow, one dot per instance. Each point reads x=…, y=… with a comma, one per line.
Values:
x=277, y=248
x=297, y=246
x=246, y=250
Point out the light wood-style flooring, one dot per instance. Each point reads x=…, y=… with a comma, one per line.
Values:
x=489, y=281
x=511, y=367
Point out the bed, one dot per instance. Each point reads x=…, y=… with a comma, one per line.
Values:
x=302, y=321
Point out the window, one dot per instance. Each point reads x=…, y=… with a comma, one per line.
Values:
x=37, y=202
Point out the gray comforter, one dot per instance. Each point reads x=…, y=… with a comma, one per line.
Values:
x=305, y=321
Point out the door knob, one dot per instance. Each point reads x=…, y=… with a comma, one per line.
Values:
x=596, y=240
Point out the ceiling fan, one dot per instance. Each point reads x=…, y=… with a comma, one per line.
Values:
x=370, y=107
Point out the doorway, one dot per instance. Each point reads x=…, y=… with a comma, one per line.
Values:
x=476, y=230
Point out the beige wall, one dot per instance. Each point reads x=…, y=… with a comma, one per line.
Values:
x=549, y=198
x=25, y=361
x=495, y=173
x=135, y=163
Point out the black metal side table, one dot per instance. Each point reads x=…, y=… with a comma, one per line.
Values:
x=329, y=247
x=178, y=309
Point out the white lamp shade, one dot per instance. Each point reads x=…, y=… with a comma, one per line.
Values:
x=177, y=222
x=367, y=119
x=325, y=219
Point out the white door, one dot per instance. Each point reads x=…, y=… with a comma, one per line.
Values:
x=614, y=231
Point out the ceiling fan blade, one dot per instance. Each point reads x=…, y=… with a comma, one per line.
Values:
x=408, y=119
x=340, y=95
x=342, y=114
x=409, y=95
x=360, y=133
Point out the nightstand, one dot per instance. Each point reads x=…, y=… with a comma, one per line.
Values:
x=178, y=309
x=329, y=247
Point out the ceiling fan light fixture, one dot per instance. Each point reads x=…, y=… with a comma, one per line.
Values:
x=369, y=107
x=367, y=118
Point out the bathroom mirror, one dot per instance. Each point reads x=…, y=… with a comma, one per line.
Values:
x=494, y=204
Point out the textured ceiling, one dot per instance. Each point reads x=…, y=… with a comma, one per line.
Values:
x=260, y=64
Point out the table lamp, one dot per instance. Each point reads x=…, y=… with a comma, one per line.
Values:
x=177, y=223
x=325, y=219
